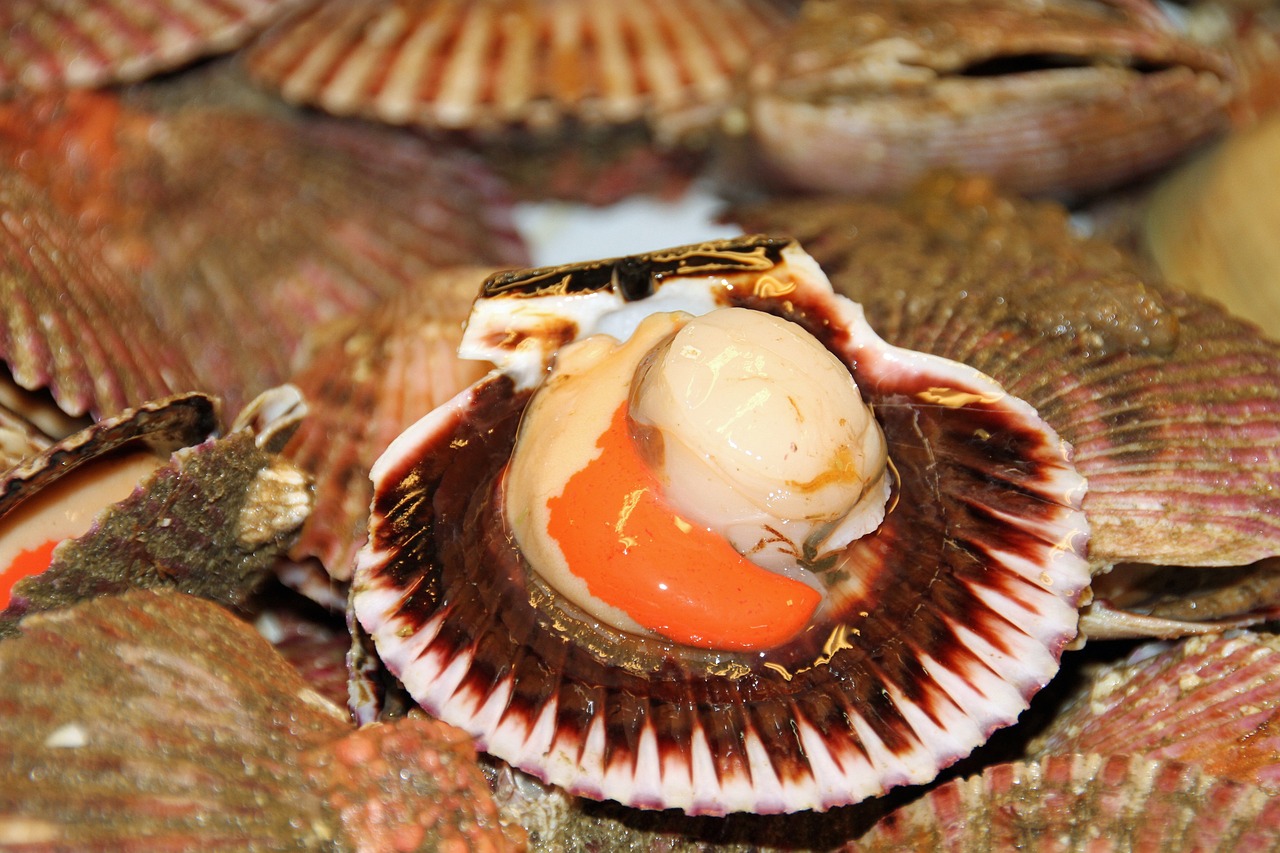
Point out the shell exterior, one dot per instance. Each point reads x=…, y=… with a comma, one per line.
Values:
x=59, y=44
x=1210, y=701
x=19, y=439
x=1082, y=803
x=211, y=522
x=160, y=720
x=367, y=378
x=1161, y=393
x=239, y=232
x=456, y=64
x=903, y=678
x=1066, y=96
x=1208, y=225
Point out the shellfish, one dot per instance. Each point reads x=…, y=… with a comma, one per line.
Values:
x=904, y=648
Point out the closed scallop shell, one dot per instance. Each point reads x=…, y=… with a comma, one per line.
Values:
x=482, y=65
x=367, y=378
x=951, y=614
x=1211, y=701
x=158, y=719
x=1082, y=803
x=61, y=44
x=1065, y=97
x=1160, y=392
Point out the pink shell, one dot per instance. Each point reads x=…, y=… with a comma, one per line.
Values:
x=971, y=585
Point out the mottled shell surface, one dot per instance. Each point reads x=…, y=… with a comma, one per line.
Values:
x=1210, y=701
x=1066, y=96
x=61, y=44
x=367, y=378
x=160, y=720
x=1082, y=803
x=1161, y=393
x=474, y=65
x=967, y=593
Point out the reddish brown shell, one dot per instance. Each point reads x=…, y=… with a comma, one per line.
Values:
x=460, y=64
x=367, y=378
x=1064, y=96
x=58, y=44
x=1211, y=701
x=939, y=626
x=1082, y=803
x=158, y=719
x=1172, y=404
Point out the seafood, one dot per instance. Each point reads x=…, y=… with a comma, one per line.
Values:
x=1065, y=97
x=926, y=634
x=1160, y=393
x=227, y=507
x=156, y=718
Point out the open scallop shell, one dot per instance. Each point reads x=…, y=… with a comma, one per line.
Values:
x=458, y=64
x=965, y=597
x=1161, y=393
x=1082, y=803
x=57, y=44
x=1064, y=96
x=159, y=720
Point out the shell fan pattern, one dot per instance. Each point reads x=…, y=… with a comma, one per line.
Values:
x=937, y=626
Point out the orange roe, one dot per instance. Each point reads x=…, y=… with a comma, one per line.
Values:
x=27, y=564
x=675, y=578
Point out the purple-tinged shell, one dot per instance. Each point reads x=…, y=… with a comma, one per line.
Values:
x=462, y=65
x=210, y=522
x=1210, y=701
x=1082, y=803
x=49, y=45
x=1171, y=404
x=157, y=719
x=366, y=379
x=1063, y=96
x=952, y=614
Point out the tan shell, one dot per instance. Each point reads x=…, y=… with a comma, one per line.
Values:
x=461, y=64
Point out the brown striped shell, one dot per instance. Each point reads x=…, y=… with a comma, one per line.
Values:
x=367, y=378
x=457, y=64
x=1171, y=403
x=61, y=44
x=950, y=616
x=1064, y=96
x=1082, y=803
x=159, y=720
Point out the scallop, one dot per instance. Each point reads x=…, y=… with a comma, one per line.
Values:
x=902, y=649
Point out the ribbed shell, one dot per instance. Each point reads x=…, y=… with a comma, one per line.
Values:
x=1211, y=701
x=1062, y=96
x=58, y=44
x=1172, y=404
x=158, y=720
x=367, y=378
x=460, y=64
x=69, y=322
x=971, y=583
x=1082, y=803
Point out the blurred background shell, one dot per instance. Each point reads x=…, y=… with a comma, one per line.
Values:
x=1212, y=225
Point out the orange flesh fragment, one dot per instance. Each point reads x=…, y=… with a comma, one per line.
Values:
x=27, y=564
x=681, y=581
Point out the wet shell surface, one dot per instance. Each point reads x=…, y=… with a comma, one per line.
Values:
x=1211, y=701
x=1067, y=96
x=456, y=64
x=226, y=507
x=239, y=232
x=936, y=627
x=1160, y=392
x=1082, y=803
x=158, y=719
x=367, y=378
x=61, y=44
